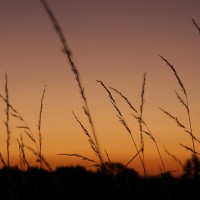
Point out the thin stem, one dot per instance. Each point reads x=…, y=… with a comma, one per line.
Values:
x=196, y=25
x=7, y=120
x=39, y=126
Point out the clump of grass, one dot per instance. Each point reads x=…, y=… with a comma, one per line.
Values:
x=10, y=110
x=123, y=122
x=139, y=117
x=38, y=152
x=185, y=104
x=22, y=155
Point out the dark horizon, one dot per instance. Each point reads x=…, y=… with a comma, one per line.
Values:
x=145, y=50
x=78, y=183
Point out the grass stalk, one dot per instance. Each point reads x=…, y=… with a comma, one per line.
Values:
x=2, y=160
x=185, y=103
x=27, y=131
x=123, y=122
x=75, y=71
x=196, y=25
x=22, y=156
x=7, y=122
x=139, y=117
x=174, y=157
x=39, y=126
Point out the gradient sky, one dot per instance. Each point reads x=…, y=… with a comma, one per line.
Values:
x=113, y=41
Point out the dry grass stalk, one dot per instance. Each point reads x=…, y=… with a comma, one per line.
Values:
x=119, y=115
x=180, y=124
x=123, y=122
x=185, y=103
x=196, y=25
x=108, y=157
x=90, y=140
x=125, y=98
x=139, y=118
x=92, y=145
x=190, y=149
x=28, y=131
x=174, y=157
x=79, y=156
x=141, y=115
x=75, y=71
x=2, y=160
x=39, y=125
x=17, y=115
x=133, y=157
x=7, y=122
x=141, y=110
x=22, y=156
x=39, y=158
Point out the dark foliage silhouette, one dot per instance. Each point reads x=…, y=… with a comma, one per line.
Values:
x=76, y=182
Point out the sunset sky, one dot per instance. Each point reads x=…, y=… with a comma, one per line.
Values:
x=113, y=41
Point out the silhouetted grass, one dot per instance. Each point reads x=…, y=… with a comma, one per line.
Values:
x=185, y=104
x=95, y=144
x=196, y=25
x=118, y=181
x=7, y=110
x=123, y=122
x=141, y=121
x=27, y=131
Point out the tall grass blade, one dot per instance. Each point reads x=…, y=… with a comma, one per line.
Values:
x=75, y=71
x=184, y=103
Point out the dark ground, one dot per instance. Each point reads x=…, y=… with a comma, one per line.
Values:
x=79, y=183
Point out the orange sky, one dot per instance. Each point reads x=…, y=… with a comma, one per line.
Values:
x=113, y=41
